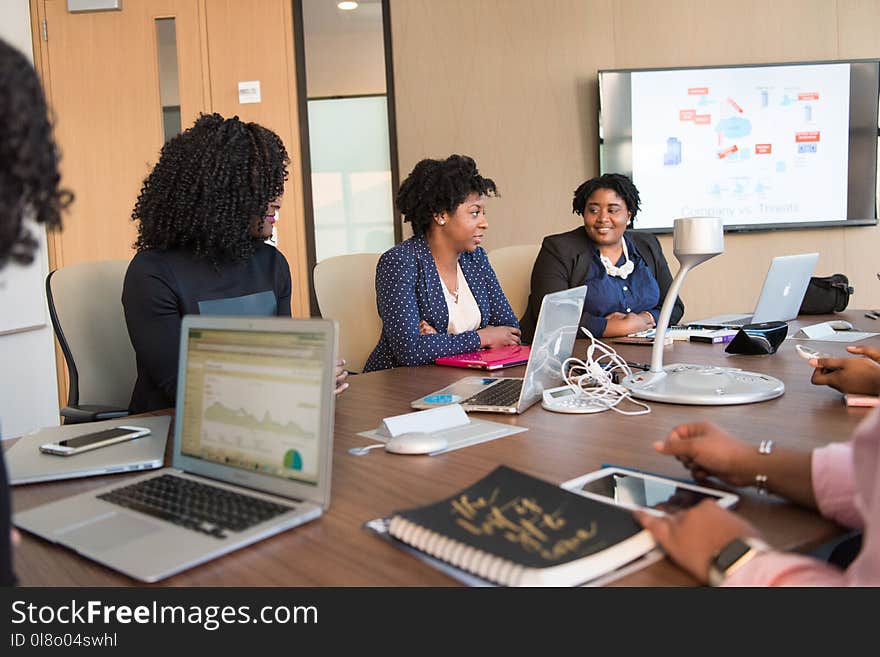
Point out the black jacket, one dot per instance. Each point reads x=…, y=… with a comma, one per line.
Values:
x=162, y=286
x=564, y=262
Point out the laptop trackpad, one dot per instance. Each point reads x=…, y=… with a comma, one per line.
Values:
x=107, y=532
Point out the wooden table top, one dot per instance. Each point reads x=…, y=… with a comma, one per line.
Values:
x=335, y=550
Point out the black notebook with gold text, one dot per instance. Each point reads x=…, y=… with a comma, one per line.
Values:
x=517, y=530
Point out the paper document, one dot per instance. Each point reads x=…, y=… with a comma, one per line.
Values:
x=825, y=332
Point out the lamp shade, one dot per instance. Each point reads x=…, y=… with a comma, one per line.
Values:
x=696, y=239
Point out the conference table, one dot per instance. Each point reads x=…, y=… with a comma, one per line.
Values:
x=336, y=550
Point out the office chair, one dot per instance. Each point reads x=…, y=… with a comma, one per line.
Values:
x=513, y=267
x=85, y=305
x=346, y=290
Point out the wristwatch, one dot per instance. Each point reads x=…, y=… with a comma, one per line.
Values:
x=732, y=556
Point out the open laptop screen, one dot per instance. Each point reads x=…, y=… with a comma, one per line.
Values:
x=253, y=401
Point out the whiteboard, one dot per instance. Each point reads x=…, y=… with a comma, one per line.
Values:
x=23, y=291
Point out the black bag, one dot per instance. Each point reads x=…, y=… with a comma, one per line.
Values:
x=826, y=294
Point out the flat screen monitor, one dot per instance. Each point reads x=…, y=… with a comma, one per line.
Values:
x=763, y=146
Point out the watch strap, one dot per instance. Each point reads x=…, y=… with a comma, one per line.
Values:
x=733, y=556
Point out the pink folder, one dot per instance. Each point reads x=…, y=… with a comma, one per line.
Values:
x=488, y=359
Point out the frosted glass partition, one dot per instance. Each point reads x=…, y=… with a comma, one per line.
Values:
x=169, y=88
x=351, y=176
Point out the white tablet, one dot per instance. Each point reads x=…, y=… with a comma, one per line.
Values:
x=639, y=490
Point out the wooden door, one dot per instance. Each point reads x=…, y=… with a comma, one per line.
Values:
x=101, y=74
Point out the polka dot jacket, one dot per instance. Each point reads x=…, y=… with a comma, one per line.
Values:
x=408, y=290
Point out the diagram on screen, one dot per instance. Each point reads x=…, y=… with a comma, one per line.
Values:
x=748, y=145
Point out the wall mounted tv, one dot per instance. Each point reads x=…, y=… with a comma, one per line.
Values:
x=766, y=146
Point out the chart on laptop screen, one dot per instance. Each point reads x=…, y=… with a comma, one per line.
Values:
x=253, y=401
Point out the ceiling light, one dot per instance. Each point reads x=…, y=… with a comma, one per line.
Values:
x=347, y=5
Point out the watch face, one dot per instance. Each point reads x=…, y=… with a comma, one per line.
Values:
x=731, y=553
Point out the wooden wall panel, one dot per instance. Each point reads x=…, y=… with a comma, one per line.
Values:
x=509, y=84
x=253, y=40
x=513, y=83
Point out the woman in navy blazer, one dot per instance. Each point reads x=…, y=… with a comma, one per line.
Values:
x=436, y=292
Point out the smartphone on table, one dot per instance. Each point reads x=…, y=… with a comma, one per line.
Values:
x=88, y=441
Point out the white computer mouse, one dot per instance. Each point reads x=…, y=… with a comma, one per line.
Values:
x=416, y=442
x=840, y=325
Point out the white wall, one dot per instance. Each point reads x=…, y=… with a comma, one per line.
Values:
x=28, y=385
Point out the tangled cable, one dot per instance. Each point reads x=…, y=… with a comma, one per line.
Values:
x=594, y=377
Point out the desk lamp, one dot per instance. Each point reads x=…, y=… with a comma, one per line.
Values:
x=695, y=240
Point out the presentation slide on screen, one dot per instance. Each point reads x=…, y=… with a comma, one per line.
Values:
x=752, y=146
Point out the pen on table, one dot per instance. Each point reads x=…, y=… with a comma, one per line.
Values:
x=872, y=314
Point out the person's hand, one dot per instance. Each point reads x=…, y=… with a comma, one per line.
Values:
x=708, y=451
x=341, y=375
x=624, y=324
x=856, y=376
x=870, y=352
x=691, y=538
x=499, y=336
x=425, y=328
x=648, y=318
x=14, y=537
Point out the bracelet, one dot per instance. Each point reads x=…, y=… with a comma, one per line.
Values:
x=766, y=447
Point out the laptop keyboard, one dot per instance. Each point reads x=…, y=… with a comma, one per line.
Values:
x=194, y=505
x=504, y=393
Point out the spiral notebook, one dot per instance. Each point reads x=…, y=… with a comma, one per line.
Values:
x=517, y=530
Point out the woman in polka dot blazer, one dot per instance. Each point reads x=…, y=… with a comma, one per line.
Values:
x=436, y=292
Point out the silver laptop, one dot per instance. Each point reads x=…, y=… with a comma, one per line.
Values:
x=253, y=440
x=26, y=464
x=784, y=288
x=555, y=334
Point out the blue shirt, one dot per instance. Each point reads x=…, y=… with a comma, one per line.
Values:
x=606, y=294
x=408, y=290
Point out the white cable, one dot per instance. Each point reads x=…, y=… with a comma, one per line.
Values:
x=593, y=377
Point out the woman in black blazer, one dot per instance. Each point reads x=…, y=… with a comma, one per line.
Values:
x=625, y=272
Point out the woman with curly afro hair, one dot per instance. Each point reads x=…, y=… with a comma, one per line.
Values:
x=436, y=292
x=28, y=192
x=28, y=160
x=204, y=213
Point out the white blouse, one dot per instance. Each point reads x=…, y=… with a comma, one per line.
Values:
x=464, y=313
